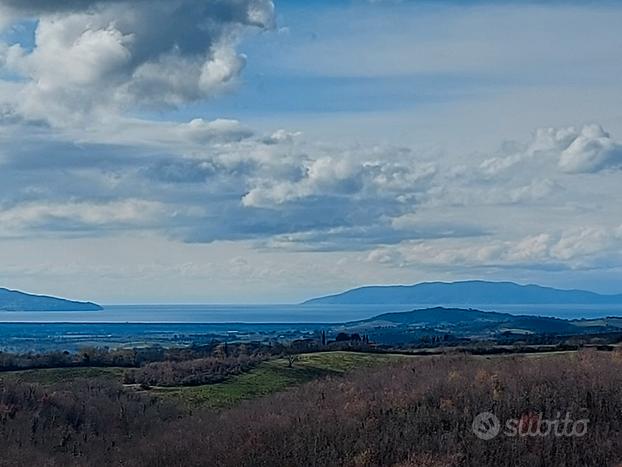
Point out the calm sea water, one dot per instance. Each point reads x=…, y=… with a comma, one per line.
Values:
x=279, y=313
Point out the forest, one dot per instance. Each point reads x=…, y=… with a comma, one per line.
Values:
x=408, y=411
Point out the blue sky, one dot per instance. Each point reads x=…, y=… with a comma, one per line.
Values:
x=218, y=151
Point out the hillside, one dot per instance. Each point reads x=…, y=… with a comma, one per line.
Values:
x=457, y=323
x=465, y=293
x=11, y=300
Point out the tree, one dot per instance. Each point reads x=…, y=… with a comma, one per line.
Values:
x=342, y=337
x=291, y=359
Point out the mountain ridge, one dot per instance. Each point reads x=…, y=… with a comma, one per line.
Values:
x=474, y=292
x=15, y=300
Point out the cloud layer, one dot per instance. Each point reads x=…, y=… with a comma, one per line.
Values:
x=206, y=181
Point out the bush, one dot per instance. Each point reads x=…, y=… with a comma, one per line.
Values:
x=192, y=372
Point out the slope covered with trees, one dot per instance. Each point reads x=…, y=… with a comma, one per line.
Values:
x=412, y=413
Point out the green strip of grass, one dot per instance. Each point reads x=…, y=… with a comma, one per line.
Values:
x=273, y=376
x=267, y=378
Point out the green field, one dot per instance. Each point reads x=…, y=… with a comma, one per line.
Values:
x=268, y=377
x=273, y=376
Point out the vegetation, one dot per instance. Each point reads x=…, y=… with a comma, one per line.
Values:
x=192, y=372
x=50, y=376
x=273, y=376
x=136, y=357
x=417, y=413
x=399, y=411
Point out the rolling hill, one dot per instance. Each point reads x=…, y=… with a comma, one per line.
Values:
x=469, y=319
x=412, y=326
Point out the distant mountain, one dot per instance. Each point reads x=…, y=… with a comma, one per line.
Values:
x=11, y=300
x=466, y=293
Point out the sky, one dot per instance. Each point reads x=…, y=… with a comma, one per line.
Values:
x=244, y=151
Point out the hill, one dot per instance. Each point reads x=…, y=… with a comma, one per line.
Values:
x=466, y=293
x=409, y=326
x=12, y=300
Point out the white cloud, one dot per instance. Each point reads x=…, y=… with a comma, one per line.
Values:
x=575, y=248
x=531, y=249
x=108, y=56
x=224, y=183
x=591, y=150
x=363, y=176
x=583, y=242
x=282, y=136
x=219, y=130
x=536, y=190
x=78, y=216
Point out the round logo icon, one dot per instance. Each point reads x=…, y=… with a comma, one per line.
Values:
x=486, y=426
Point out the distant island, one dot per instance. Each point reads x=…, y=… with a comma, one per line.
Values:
x=466, y=293
x=12, y=300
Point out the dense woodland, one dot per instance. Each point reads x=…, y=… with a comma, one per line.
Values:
x=410, y=414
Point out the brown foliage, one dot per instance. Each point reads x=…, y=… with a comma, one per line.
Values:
x=79, y=424
x=413, y=414
x=191, y=372
x=397, y=416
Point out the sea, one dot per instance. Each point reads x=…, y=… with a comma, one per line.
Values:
x=256, y=314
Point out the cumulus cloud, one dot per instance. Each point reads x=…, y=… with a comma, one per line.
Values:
x=344, y=176
x=592, y=150
x=206, y=181
x=97, y=56
x=588, y=149
x=224, y=183
x=281, y=136
x=574, y=248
